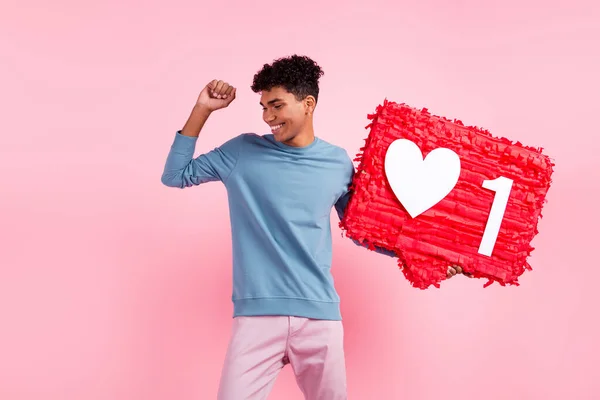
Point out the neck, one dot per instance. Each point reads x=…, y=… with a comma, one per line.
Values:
x=304, y=138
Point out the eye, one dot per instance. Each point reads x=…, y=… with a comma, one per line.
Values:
x=278, y=106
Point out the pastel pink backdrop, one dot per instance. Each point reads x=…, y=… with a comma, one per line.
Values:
x=115, y=287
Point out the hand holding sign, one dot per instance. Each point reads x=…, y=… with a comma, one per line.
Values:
x=439, y=193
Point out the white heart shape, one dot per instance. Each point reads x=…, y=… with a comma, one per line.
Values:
x=420, y=184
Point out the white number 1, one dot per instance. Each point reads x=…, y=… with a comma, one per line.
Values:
x=502, y=186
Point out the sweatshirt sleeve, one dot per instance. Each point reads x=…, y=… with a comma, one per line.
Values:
x=182, y=170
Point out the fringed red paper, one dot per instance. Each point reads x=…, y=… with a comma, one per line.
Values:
x=450, y=232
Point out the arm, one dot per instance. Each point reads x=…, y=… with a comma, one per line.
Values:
x=181, y=169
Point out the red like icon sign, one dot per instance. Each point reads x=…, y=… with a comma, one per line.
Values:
x=440, y=193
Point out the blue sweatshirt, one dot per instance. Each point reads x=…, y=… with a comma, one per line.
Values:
x=280, y=202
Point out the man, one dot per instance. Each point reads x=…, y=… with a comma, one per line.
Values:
x=281, y=188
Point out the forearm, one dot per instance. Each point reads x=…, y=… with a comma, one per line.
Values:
x=179, y=170
x=196, y=121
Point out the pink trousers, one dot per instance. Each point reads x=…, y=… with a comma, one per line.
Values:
x=261, y=346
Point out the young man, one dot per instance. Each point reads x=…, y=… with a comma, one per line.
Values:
x=281, y=188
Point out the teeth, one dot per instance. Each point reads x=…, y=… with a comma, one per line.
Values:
x=276, y=127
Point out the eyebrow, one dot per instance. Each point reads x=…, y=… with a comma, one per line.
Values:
x=272, y=101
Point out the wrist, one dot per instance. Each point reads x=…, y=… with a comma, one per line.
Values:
x=202, y=109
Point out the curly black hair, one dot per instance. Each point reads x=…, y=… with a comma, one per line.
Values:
x=299, y=75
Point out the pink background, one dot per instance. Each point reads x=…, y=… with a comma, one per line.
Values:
x=115, y=287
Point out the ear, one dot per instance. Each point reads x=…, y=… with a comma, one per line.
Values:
x=309, y=104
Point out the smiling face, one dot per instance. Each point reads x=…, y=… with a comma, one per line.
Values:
x=290, y=120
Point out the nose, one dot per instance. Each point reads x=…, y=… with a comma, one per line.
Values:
x=269, y=117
